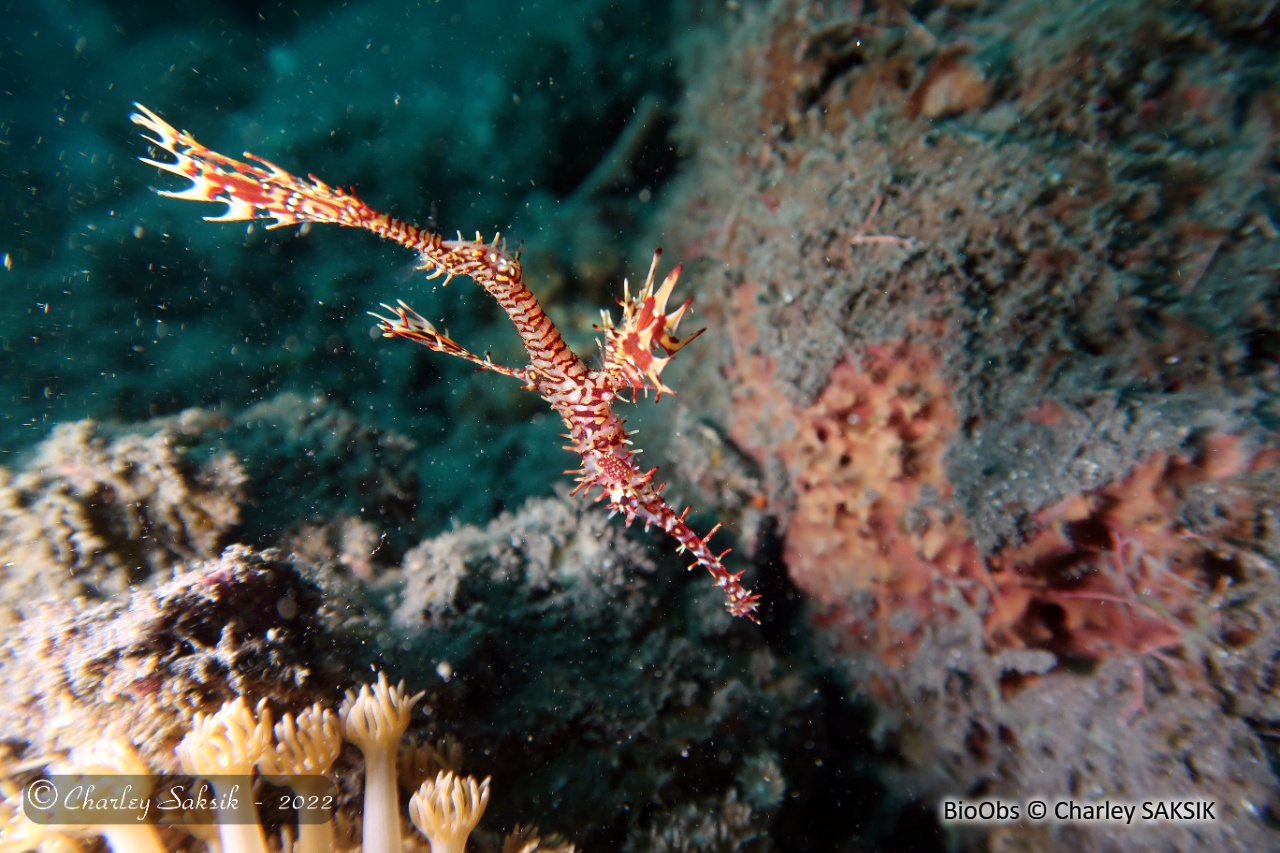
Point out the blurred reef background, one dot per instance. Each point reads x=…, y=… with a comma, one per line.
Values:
x=988, y=404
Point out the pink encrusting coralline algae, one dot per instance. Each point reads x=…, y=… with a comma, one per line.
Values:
x=581, y=395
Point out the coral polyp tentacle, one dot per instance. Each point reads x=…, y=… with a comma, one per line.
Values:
x=634, y=352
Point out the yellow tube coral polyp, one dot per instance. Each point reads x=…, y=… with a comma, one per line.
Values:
x=375, y=720
x=229, y=743
x=447, y=808
x=114, y=766
x=305, y=749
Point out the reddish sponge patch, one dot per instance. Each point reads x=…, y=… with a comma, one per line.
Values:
x=1118, y=570
x=871, y=494
x=873, y=529
x=874, y=538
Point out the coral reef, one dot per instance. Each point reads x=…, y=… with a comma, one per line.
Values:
x=552, y=620
x=93, y=514
x=312, y=459
x=988, y=398
x=549, y=623
x=95, y=509
x=136, y=667
x=1014, y=457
